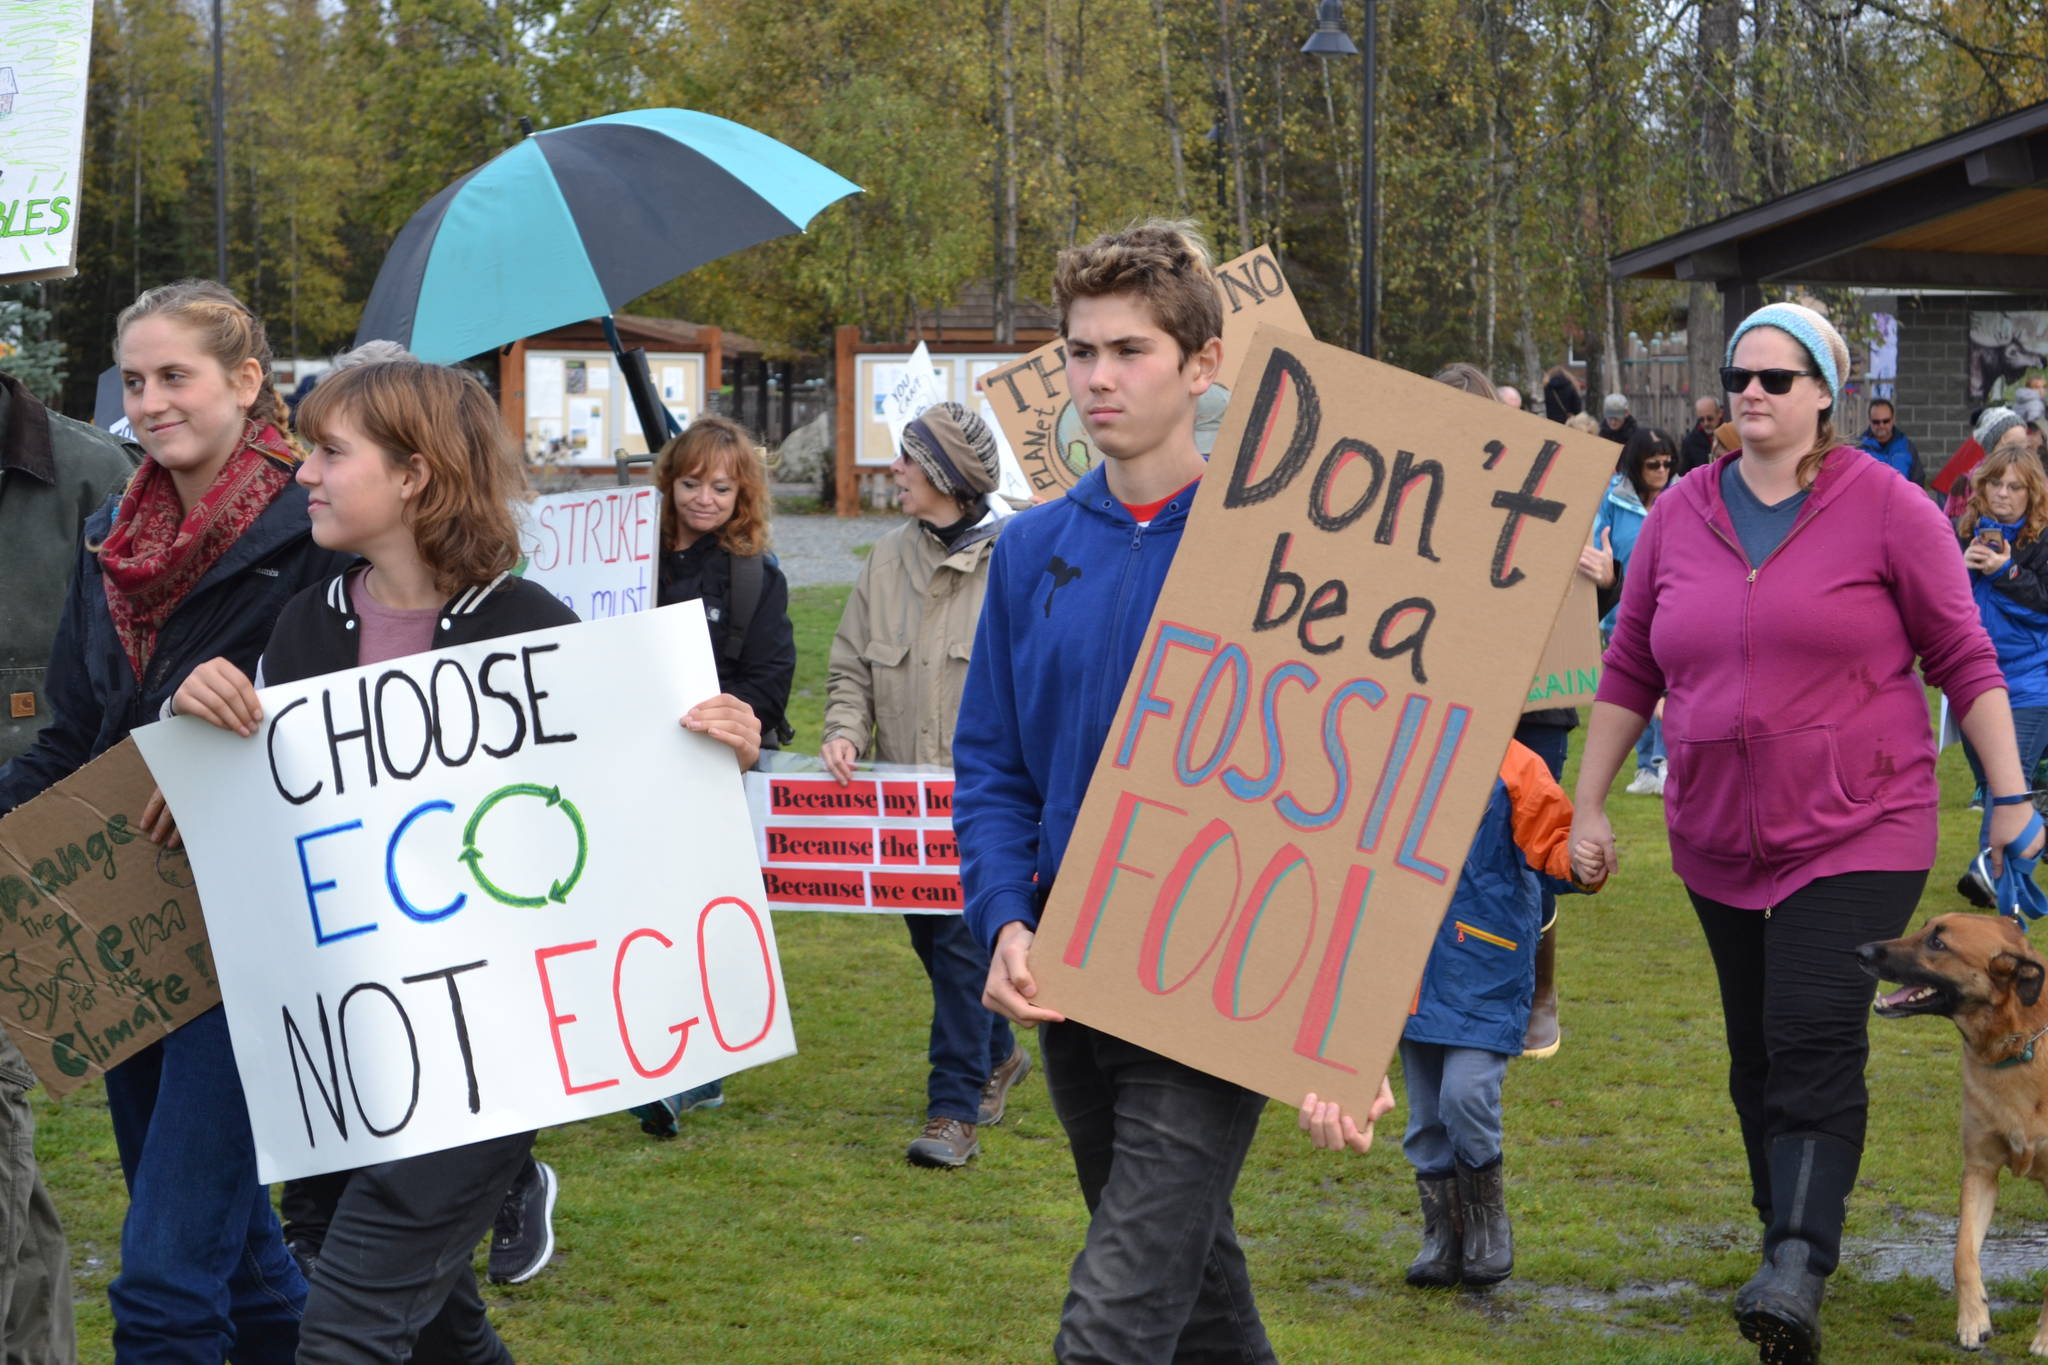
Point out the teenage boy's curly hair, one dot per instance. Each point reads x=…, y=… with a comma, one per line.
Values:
x=1165, y=264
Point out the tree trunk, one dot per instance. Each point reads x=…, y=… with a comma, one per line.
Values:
x=1233, y=130
x=1005, y=198
x=1173, y=130
x=1711, y=192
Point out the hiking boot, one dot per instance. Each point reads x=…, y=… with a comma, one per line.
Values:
x=1779, y=1309
x=523, y=1238
x=305, y=1252
x=944, y=1143
x=1487, y=1254
x=1437, y=1265
x=995, y=1094
x=1544, y=1036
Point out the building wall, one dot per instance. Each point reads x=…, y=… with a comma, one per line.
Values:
x=1934, y=367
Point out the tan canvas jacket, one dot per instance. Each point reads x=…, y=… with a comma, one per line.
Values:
x=899, y=659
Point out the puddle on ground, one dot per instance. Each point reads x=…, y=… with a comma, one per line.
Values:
x=2017, y=1256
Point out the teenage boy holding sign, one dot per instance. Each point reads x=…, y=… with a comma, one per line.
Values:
x=1157, y=1144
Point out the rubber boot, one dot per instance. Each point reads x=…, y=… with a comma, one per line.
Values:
x=1544, y=1035
x=1436, y=1266
x=1779, y=1309
x=1489, y=1245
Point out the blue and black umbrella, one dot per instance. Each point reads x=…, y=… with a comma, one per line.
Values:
x=573, y=223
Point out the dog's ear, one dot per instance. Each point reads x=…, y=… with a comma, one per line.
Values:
x=2025, y=973
x=2026, y=980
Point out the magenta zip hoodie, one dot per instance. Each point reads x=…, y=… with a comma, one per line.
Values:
x=1797, y=732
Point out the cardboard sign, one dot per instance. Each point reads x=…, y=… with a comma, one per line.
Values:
x=1316, y=720
x=44, y=49
x=477, y=891
x=599, y=551
x=1568, y=674
x=102, y=948
x=882, y=844
x=1040, y=424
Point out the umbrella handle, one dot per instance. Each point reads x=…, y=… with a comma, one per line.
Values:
x=653, y=413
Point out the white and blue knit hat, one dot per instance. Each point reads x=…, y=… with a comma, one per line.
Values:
x=1815, y=333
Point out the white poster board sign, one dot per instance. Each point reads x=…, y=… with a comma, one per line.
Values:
x=881, y=844
x=599, y=551
x=912, y=387
x=44, y=48
x=477, y=891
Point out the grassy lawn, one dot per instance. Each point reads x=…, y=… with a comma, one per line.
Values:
x=787, y=1227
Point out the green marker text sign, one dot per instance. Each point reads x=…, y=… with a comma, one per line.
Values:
x=477, y=891
x=102, y=948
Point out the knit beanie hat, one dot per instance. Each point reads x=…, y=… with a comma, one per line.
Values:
x=955, y=449
x=1993, y=423
x=1616, y=405
x=1830, y=354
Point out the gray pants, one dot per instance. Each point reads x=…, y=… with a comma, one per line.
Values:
x=35, y=1264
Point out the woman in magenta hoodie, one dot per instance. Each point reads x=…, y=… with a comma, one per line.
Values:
x=1778, y=605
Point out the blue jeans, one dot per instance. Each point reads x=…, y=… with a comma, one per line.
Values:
x=1650, y=748
x=2030, y=728
x=967, y=1040
x=1453, y=1105
x=204, y=1273
x=1157, y=1147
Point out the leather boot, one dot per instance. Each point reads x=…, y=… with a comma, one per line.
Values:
x=1489, y=1246
x=1544, y=1035
x=1436, y=1266
x=1779, y=1309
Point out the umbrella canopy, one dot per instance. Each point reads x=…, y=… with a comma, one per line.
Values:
x=575, y=222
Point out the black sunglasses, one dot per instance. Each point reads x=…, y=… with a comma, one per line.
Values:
x=1735, y=379
x=1657, y=464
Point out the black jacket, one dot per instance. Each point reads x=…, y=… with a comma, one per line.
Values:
x=766, y=665
x=317, y=630
x=1619, y=435
x=95, y=698
x=1561, y=398
x=1695, y=451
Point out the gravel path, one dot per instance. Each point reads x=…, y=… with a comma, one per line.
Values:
x=816, y=550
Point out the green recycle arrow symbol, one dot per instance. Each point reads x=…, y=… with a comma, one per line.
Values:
x=559, y=891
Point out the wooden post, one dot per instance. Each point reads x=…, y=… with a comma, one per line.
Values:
x=846, y=501
x=714, y=366
x=512, y=391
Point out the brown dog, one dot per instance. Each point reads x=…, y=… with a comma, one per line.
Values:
x=1980, y=971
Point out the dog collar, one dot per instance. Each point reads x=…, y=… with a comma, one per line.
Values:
x=2024, y=1057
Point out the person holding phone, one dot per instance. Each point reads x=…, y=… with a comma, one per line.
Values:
x=2007, y=556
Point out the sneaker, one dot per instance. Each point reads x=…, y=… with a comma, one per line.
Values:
x=523, y=1239
x=657, y=1120
x=995, y=1094
x=1646, y=782
x=710, y=1095
x=944, y=1143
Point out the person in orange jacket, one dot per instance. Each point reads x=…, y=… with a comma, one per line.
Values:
x=1470, y=1015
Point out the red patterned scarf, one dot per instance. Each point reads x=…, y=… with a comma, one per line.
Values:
x=157, y=552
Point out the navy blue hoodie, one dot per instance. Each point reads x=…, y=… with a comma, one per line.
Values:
x=1071, y=588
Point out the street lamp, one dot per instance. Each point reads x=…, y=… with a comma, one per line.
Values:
x=1330, y=40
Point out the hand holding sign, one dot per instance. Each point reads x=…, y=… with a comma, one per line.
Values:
x=476, y=891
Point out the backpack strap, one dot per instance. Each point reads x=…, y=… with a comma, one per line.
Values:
x=748, y=576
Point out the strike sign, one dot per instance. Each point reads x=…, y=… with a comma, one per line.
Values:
x=477, y=891
x=1312, y=729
